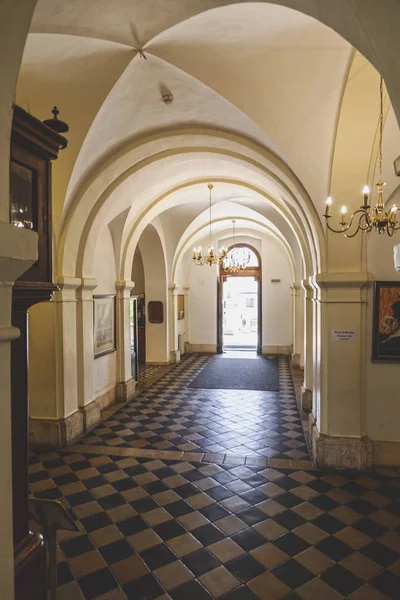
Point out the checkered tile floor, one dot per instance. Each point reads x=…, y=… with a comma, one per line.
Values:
x=153, y=525
x=159, y=529
x=151, y=373
x=171, y=416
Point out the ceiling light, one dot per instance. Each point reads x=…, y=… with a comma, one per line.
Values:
x=367, y=217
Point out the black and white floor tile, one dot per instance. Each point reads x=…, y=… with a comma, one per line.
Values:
x=227, y=526
x=171, y=416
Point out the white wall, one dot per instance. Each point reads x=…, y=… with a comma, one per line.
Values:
x=105, y=274
x=277, y=299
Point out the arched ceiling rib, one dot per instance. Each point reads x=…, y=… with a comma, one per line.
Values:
x=255, y=56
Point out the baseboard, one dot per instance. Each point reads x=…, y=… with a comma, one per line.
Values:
x=203, y=348
x=385, y=454
x=106, y=397
x=162, y=363
x=277, y=350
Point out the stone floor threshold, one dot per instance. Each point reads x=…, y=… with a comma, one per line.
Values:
x=231, y=459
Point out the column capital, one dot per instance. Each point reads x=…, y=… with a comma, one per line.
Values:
x=67, y=288
x=342, y=287
x=124, y=288
x=309, y=290
x=172, y=288
x=295, y=287
x=85, y=290
x=186, y=288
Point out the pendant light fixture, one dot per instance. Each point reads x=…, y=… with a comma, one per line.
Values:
x=210, y=258
x=238, y=257
x=367, y=217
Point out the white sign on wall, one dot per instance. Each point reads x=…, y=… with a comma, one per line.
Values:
x=343, y=335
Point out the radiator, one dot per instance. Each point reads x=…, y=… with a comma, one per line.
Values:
x=181, y=343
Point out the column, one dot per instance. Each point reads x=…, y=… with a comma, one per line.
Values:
x=126, y=385
x=175, y=355
x=18, y=251
x=70, y=421
x=85, y=355
x=308, y=347
x=338, y=427
x=297, y=329
x=186, y=289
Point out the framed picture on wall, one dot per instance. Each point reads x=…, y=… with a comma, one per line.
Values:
x=386, y=322
x=104, y=324
x=181, y=307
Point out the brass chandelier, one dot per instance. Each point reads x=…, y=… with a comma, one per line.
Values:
x=237, y=258
x=210, y=258
x=367, y=217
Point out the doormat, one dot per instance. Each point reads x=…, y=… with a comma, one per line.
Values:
x=221, y=373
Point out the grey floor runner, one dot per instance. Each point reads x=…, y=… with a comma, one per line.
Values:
x=239, y=374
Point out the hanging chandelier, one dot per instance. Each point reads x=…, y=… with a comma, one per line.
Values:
x=367, y=217
x=210, y=258
x=237, y=258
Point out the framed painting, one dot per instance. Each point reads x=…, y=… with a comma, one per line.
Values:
x=104, y=324
x=386, y=322
x=181, y=307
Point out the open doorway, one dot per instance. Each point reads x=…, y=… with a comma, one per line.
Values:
x=239, y=315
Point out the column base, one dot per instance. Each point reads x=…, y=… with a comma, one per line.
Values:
x=306, y=399
x=91, y=414
x=340, y=452
x=174, y=356
x=55, y=433
x=125, y=390
x=296, y=360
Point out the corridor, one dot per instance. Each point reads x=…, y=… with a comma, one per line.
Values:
x=207, y=494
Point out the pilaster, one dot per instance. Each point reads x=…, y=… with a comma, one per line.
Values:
x=308, y=346
x=338, y=428
x=297, y=326
x=174, y=353
x=186, y=290
x=66, y=346
x=126, y=385
x=85, y=363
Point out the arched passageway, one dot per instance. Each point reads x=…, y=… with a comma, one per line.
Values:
x=135, y=173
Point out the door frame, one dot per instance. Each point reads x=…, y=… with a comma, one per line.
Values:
x=256, y=273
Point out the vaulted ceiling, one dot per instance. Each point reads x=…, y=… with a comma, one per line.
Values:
x=268, y=73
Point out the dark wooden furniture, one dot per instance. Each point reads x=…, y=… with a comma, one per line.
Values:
x=33, y=147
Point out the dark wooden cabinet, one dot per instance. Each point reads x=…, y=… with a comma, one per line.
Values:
x=33, y=147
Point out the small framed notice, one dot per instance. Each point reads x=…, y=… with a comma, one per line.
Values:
x=343, y=335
